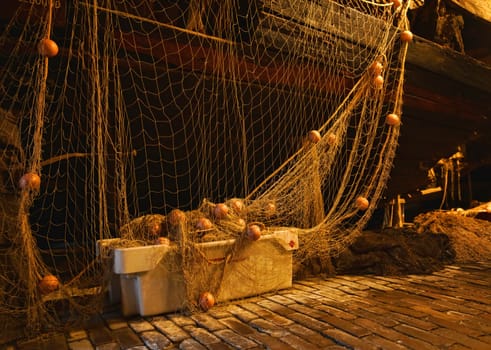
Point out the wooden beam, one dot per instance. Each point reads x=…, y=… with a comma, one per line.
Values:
x=449, y=64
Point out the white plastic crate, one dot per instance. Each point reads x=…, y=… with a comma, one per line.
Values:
x=151, y=283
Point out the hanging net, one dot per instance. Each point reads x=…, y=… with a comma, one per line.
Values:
x=179, y=122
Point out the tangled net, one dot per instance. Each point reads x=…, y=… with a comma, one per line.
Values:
x=470, y=237
x=135, y=120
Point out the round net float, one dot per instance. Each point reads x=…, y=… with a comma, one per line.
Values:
x=362, y=203
x=241, y=223
x=176, y=217
x=396, y=4
x=406, y=36
x=392, y=119
x=237, y=205
x=206, y=301
x=314, y=136
x=155, y=229
x=332, y=139
x=48, y=284
x=376, y=68
x=269, y=209
x=30, y=181
x=221, y=211
x=204, y=224
x=378, y=81
x=253, y=232
x=48, y=48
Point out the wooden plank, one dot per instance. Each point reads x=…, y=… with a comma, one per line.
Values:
x=478, y=8
x=449, y=64
x=29, y=10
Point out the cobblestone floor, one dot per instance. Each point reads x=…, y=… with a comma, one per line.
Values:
x=449, y=309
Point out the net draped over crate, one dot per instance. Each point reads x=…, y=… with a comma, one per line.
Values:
x=156, y=115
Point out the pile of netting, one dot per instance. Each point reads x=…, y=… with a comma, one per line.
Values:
x=145, y=121
x=470, y=237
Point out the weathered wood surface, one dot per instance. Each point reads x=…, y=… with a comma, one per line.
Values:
x=479, y=8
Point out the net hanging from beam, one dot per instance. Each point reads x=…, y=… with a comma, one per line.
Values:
x=184, y=122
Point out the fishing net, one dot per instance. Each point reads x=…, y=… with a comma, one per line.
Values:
x=470, y=237
x=180, y=122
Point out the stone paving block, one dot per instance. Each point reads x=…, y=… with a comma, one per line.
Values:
x=140, y=325
x=277, y=319
x=416, y=322
x=310, y=335
x=347, y=326
x=485, y=338
x=327, y=294
x=371, y=325
x=256, y=309
x=378, y=285
x=208, y=322
x=45, y=342
x=275, y=307
x=76, y=334
x=328, y=282
x=181, y=320
x=402, y=318
x=380, y=318
x=108, y=346
x=347, y=283
x=335, y=311
x=395, y=336
x=219, y=346
x=298, y=343
x=268, y=327
x=306, y=298
x=202, y=335
x=351, y=291
x=83, y=344
x=191, y=344
x=382, y=343
x=346, y=339
x=269, y=315
x=32, y=344
x=241, y=313
x=308, y=321
x=281, y=299
x=428, y=310
x=477, y=324
x=238, y=326
x=303, y=287
x=99, y=336
x=155, y=340
x=126, y=337
x=170, y=329
x=218, y=312
x=426, y=336
x=332, y=320
x=310, y=281
x=457, y=346
x=454, y=325
x=95, y=321
x=236, y=340
x=462, y=339
x=271, y=343
x=116, y=323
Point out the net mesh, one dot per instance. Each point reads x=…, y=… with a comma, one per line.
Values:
x=184, y=122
